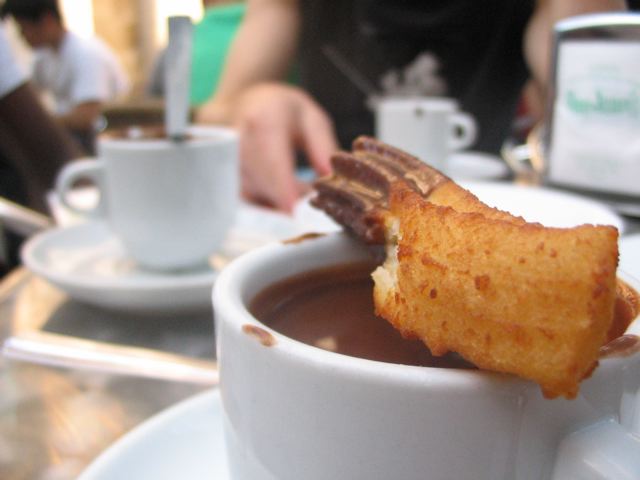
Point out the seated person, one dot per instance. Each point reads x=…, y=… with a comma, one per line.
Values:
x=80, y=74
x=484, y=52
x=33, y=146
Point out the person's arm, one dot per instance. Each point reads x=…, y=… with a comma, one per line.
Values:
x=274, y=119
x=262, y=51
x=538, y=36
x=40, y=144
x=96, y=78
x=82, y=117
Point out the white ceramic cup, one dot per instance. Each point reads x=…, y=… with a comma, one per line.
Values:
x=170, y=203
x=293, y=411
x=428, y=127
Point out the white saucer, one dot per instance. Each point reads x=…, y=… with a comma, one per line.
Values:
x=310, y=219
x=87, y=262
x=469, y=165
x=630, y=255
x=553, y=208
x=184, y=442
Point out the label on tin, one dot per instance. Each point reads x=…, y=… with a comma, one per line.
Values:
x=595, y=140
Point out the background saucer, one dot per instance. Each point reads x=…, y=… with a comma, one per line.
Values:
x=553, y=208
x=87, y=262
x=183, y=442
x=630, y=255
x=468, y=165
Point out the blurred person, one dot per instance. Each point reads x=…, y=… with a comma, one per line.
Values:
x=480, y=53
x=33, y=146
x=212, y=36
x=81, y=74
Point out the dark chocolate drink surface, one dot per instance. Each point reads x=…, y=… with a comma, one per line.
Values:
x=332, y=309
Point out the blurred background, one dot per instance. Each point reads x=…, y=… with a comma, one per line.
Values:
x=137, y=33
x=136, y=30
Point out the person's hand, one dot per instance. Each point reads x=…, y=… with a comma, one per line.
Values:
x=213, y=112
x=274, y=120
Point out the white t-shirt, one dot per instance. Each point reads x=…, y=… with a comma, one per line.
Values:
x=81, y=70
x=11, y=75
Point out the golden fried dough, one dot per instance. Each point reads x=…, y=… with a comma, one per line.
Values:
x=506, y=295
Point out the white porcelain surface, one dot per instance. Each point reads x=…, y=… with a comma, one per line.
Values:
x=428, y=127
x=470, y=165
x=630, y=254
x=156, y=192
x=293, y=411
x=552, y=208
x=184, y=442
x=91, y=265
x=310, y=219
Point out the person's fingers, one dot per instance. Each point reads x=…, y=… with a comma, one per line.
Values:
x=267, y=159
x=317, y=137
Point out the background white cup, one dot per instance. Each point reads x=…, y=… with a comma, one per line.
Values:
x=171, y=204
x=429, y=128
x=293, y=411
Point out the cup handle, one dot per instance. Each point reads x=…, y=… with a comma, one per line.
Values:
x=463, y=131
x=90, y=169
x=603, y=451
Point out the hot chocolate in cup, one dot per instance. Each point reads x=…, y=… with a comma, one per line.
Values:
x=170, y=203
x=310, y=399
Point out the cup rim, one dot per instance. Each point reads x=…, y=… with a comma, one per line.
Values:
x=230, y=298
x=205, y=136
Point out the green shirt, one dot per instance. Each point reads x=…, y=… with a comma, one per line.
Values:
x=212, y=37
